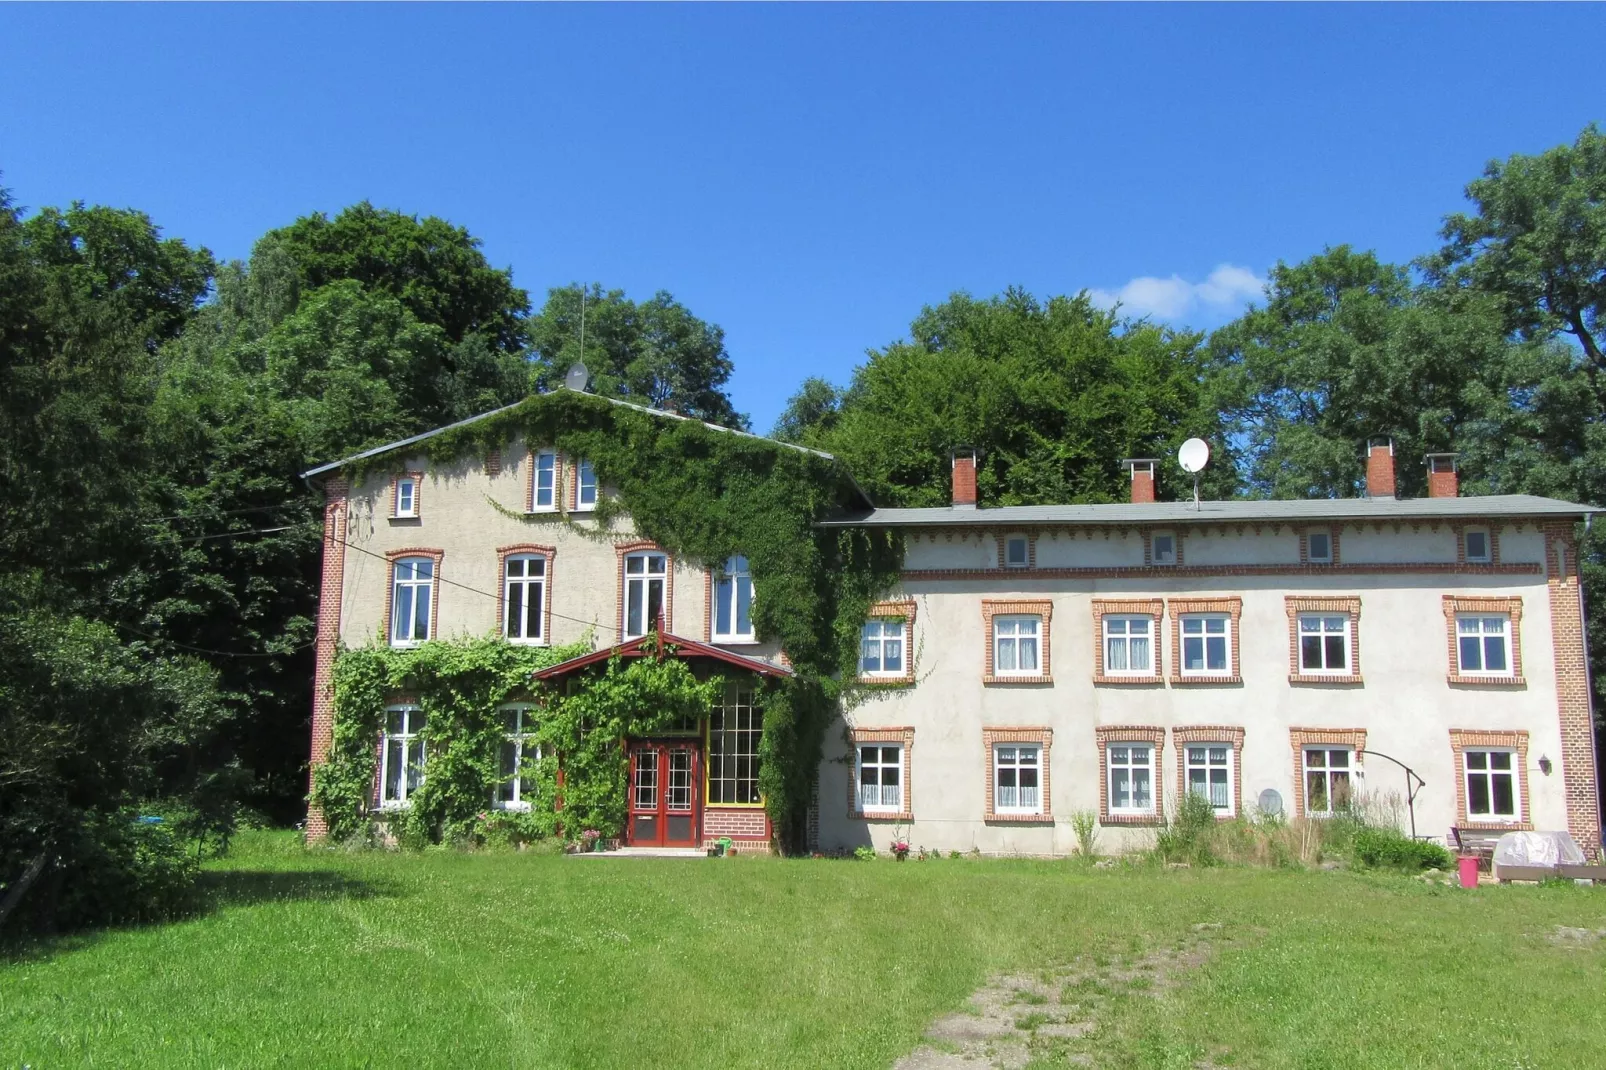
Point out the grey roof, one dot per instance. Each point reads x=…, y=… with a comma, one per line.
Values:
x=1233, y=511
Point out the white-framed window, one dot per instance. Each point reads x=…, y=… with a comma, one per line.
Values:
x=1164, y=550
x=544, y=491
x=1017, y=778
x=1483, y=644
x=1324, y=644
x=1209, y=769
x=1017, y=552
x=412, y=587
x=401, y=755
x=1328, y=786
x=1129, y=646
x=585, y=485
x=1477, y=545
x=646, y=580
x=733, y=601
x=1319, y=547
x=881, y=647
x=735, y=727
x=1207, y=644
x=1131, y=777
x=406, y=497
x=514, y=789
x=880, y=778
x=524, y=598
x=1491, y=784
x=1016, y=649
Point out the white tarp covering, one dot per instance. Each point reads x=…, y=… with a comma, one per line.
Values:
x=1537, y=849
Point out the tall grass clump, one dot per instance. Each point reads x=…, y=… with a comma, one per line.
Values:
x=1085, y=824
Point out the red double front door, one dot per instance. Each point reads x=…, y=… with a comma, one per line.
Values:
x=665, y=777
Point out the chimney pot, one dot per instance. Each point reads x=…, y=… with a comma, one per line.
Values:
x=1142, y=469
x=1443, y=479
x=964, y=461
x=1380, y=468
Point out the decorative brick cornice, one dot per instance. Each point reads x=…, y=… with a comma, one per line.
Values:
x=392, y=556
x=1578, y=756
x=1195, y=734
x=1032, y=734
x=1465, y=739
x=1152, y=572
x=636, y=546
x=327, y=642
x=1331, y=605
x=1176, y=608
x=1300, y=738
x=1042, y=608
x=1153, y=608
x=1508, y=605
x=895, y=608
x=905, y=737
x=1152, y=735
x=505, y=552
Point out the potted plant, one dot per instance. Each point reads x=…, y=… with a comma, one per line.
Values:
x=592, y=839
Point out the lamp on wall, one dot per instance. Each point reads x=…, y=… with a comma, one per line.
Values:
x=1544, y=764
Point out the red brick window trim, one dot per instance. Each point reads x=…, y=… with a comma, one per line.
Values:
x=903, y=737
x=1008, y=537
x=557, y=480
x=1043, y=610
x=1154, y=609
x=533, y=550
x=1115, y=735
x=1456, y=606
x=1465, y=739
x=393, y=556
x=416, y=479
x=897, y=609
x=1346, y=606
x=1305, y=546
x=1232, y=608
x=1043, y=739
x=624, y=550
x=1300, y=738
x=1229, y=736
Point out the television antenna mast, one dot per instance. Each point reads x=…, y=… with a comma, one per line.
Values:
x=1193, y=456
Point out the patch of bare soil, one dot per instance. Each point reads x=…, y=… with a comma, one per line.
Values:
x=1013, y=1019
x=1570, y=937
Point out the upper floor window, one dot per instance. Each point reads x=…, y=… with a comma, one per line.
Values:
x=1483, y=645
x=1128, y=646
x=1324, y=645
x=1017, y=552
x=1319, y=547
x=524, y=598
x=1206, y=644
x=1164, y=548
x=881, y=647
x=585, y=485
x=1015, y=646
x=514, y=789
x=407, y=496
x=646, y=580
x=733, y=601
x=1477, y=544
x=401, y=755
x=412, y=586
x=1491, y=785
x=544, y=482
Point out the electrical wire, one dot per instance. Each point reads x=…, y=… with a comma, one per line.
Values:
x=214, y=653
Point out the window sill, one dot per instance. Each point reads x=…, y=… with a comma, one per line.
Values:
x=412, y=519
x=903, y=817
x=544, y=510
x=1131, y=820
x=407, y=644
x=1137, y=679
x=1457, y=680
x=734, y=640
x=1323, y=678
x=1498, y=826
x=1018, y=819
x=887, y=681
x=995, y=680
x=527, y=642
x=733, y=806
x=1206, y=681
x=512, y=807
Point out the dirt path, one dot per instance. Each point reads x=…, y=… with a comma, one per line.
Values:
x=1013, y=1019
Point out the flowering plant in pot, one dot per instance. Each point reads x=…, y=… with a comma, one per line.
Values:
x=900, y=844
x=591, y=840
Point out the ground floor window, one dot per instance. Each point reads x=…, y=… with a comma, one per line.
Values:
x=735, y=727
x=1131, y=778
x=1327, y=779
x=1491, y=784
x=1016, y=779
x=514, y=788
x=880, y=778
x=1210, y=773
x=401, y=755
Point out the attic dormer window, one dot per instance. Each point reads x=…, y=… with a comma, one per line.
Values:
x=1164, y=548
x=1319, y=547
x=407, y=497
x=1016, y=552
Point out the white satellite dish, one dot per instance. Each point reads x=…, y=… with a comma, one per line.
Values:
x=1194, y=455
x=576, y=377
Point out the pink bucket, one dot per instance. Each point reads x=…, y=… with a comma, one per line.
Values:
x=1467, y=865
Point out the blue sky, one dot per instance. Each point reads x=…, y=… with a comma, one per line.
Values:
x=808, y=177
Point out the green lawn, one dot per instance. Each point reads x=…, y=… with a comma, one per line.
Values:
x=326, y=958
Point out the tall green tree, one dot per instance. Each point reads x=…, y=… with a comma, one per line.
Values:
x=653, y=352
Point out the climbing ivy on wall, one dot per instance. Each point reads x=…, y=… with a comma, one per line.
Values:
x=705, y=495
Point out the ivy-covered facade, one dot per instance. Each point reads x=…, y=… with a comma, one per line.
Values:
x=578, y=615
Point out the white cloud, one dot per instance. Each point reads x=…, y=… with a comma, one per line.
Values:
x=1227, y=289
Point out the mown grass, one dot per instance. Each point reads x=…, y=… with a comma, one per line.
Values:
x=330, y=959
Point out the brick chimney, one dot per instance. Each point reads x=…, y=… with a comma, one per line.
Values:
x=1142, y=469
x=1380, y=469
x=964, y=460
x=1443, y=482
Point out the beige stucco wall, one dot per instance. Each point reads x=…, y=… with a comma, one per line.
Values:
x=1405, y=702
